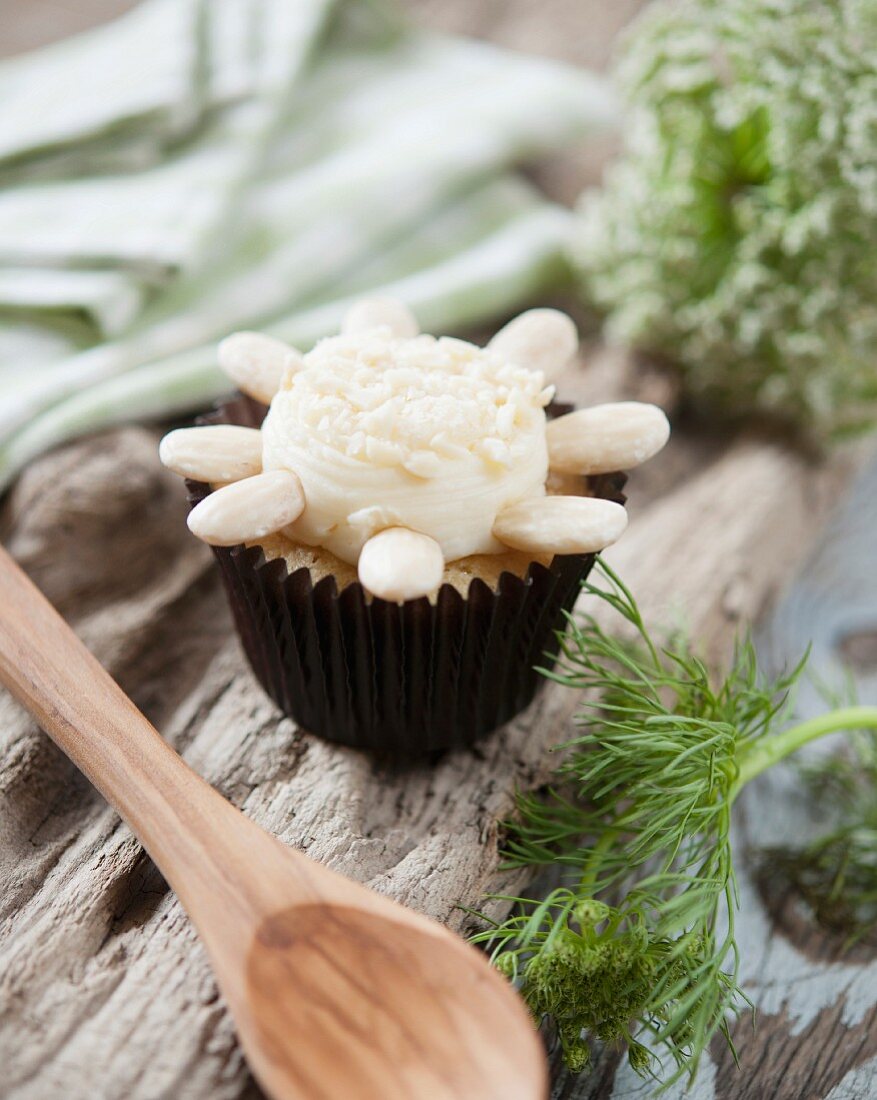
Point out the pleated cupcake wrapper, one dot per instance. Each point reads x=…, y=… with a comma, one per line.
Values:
x=406, y=679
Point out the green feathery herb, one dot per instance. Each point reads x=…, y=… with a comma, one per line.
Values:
x=641, y=948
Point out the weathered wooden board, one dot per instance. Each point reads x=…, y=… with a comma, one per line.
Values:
x=100, y=977
x=104, y=990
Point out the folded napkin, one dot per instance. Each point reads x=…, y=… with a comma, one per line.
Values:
x=201, y=166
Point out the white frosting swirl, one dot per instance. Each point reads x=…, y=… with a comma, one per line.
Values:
x=437, y=435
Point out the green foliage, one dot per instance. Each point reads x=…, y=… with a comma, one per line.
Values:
x=605, y=972
x=638, y=945
x=737, y=234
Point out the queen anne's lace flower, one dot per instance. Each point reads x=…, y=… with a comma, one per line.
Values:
x=737, y=235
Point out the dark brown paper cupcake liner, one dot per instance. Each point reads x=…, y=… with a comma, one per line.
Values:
x=408, y=678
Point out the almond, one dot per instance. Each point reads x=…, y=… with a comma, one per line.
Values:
x=560, y=525
x=606, y=438
x=248, y=510
x=399, y=564
x=257, y=364
x=540, y=339
x=372, y=313
x=215, y=453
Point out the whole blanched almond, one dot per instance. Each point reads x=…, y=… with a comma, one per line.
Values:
x=606, y=438
x=257, y=364
x=214, y=453
x=540, y=339
x=371, y=313
x=400, y=564
x=248, y=510
x=561, y=525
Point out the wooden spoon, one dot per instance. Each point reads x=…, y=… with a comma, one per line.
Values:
x=335, y=990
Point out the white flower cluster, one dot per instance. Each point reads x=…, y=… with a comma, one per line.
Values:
x=737, y=234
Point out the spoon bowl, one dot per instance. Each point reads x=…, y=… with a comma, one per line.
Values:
x=380, y=992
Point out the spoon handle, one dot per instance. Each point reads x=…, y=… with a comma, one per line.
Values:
x=329, y=983
x=88, y=716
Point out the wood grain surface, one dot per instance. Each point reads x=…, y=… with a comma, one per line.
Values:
x=296, y=949
x=104, y=990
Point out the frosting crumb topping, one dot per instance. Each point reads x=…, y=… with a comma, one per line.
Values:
x=371, y=418
x=413, y=403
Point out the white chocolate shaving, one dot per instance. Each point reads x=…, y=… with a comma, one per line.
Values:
x=561, y=525
x=606, y=438
x=399, y=564
x=248, y=510
x=214, y=453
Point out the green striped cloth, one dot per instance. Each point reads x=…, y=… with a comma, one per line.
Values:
x=201, y=166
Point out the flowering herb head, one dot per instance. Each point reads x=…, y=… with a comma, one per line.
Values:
x=638, y=943
x=737, y=234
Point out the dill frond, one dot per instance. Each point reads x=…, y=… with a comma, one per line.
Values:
x=638, y=945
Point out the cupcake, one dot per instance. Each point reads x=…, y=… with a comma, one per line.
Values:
x=402, y=521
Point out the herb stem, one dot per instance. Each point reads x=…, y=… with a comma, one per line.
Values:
x=764, y=753
x=589, y=879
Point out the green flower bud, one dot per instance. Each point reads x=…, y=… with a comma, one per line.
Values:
x=589, y=913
